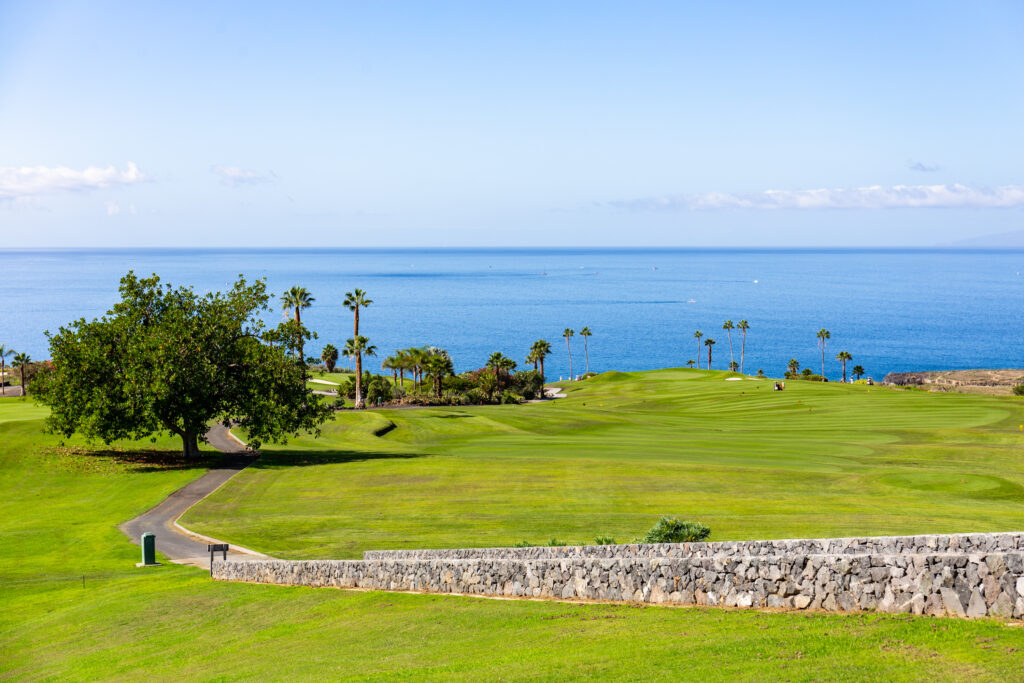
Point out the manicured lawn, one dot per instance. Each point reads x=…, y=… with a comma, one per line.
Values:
x=622, y=450
x=58, y=517
x=59, y=510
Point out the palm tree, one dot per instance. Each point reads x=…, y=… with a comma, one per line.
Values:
x=858, y=371
x=4, y=353
x=568, y=333
x=743, y=326
x=403, y=363
x=391, y=363
x=532, y=358
x=844, y=356
x=496, y=362
x=297, y=298
x=697, y=335
x=329, y=356
x=356, y=348
x=417, y=357
x=507, y=365
x=585, y=332
x=823, y=337
x=793, y=366
x=690, y=363
x=21, y=360
x=709, y=342
x=728, y=327
x=437, y=366
x=353, y=301
x=542, y=349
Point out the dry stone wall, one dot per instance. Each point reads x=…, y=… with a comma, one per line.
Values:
x=973, y=575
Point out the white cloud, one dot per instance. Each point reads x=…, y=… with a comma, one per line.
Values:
x=113, y=208
x=874, y=197
x=29, y=181
x=233, y=176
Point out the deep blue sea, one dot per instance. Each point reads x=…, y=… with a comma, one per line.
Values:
x=891, y=309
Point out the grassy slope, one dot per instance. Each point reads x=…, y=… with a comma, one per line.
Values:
x=625, y=448
x=58, y=517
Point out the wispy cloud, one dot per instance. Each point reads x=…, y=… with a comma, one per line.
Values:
x=233, y=176
x=31, y=181
x=874, y=197
x=923, y=167
x=113, y=208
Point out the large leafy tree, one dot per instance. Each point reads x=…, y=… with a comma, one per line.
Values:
x=167, y=359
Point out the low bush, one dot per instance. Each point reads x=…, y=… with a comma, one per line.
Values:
x=673, y=530
x=604, y=540
x=523, y=544
x=555, y=543
x=1018, y=390
x=510, y=397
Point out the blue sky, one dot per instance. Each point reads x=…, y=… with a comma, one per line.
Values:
x=465, y=124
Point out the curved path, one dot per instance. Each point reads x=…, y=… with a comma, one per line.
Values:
x=174, y=541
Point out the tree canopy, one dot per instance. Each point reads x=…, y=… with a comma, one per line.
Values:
x=167, y=359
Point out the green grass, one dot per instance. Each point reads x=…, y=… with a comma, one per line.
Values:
x=626, y=448
x=59, y=510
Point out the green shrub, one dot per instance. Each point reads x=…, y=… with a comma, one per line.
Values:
x=523, y=544
x=378, y=390
x=509, y=397
x=604, y=540
x=1018, y=390
x=554, y=542
x=672, y=530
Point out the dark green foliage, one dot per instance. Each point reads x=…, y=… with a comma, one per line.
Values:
x=529, y=383
x=604, y=540
x=171, y=360
x=523, y=544
x=378, y=390
x=509, y=397
x=1018, y=390
x=673, y=530
x=555, y=543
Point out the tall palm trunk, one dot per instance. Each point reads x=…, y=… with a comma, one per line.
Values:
x=401, y=374
x=298, y=321
x=823, y=358
x=731, y=358
x=709, y=356
x=569, y=349
x=542, y=368
x=3, y=377
x=358, y=380
x=698, y=353
x=24, y=389
x=586, y=354
x=743, y=349
x=844, y=373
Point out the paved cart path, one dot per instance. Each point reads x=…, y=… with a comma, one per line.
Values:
x=176, y=543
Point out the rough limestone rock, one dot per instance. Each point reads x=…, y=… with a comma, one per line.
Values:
x=961, y=575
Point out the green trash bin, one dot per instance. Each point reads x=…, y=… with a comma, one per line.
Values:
x=148, y=548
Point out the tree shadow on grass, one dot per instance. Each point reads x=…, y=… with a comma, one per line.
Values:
x=127, y=459
x=274, y=459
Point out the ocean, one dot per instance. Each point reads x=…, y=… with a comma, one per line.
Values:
x=893, y=309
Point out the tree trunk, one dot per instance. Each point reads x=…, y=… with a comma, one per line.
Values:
x=356, y=326
x=844, y=372
x=542, y=369
x=359, y=380
x=298, y=321
x=709, y=357
x=732, y=359
x=698, y=353
x=586, y=354
x=569, y=349
x=24, y=387
x=3, y=378
x=190, y=445
x=743, y=350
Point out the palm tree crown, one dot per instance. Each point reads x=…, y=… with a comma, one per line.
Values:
x=355, y=300
x=21, y=361
x=329, y=356
x=541, y=349
x=297, y=299
x=844, y=356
